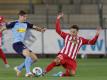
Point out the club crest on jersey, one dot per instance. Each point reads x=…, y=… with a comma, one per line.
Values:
x=73, y=41
x=21, y=30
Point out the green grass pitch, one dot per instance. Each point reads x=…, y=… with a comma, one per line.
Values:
x=88, y=69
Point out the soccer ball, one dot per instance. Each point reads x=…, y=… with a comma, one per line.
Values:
x=37, y=71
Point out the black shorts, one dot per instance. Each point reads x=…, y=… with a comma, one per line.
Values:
x=19, y=47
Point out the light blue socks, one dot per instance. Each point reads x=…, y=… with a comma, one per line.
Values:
x=28, y=63
x=20, y=67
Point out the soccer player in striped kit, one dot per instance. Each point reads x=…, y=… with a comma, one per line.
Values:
x=67, y=55
x=2, y=55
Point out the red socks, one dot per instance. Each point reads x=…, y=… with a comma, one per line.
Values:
x=53, y=64
x=50, y=67
x=2, y=55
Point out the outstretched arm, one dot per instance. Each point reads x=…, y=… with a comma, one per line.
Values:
x=32, y=26
x=58, y=29
x=39, y=28
x=93, y=40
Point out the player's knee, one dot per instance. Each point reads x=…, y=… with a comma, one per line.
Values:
x=57, y=61
x=73, y=73
x=34, y=57
x=26, y=53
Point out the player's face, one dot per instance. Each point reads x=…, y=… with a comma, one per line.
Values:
x=73, y=32
x=22, y=18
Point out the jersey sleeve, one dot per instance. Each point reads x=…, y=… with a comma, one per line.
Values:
x=10, y=25
x=58, y=29
x=29, y=25
x=91, y=41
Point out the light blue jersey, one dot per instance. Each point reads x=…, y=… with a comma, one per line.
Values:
x=19, y=30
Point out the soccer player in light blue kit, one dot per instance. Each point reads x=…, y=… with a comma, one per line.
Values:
x=19, y=29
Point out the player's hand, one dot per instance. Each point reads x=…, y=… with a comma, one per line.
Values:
x=98, y=30
x=43, y=29
x=2, y=28
x=60, y=15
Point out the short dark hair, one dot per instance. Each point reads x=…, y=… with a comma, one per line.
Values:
x=21, y=12
x=74, y=27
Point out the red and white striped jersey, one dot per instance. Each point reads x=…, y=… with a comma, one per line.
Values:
x=1, y=24
x=72, y=44
x=71, y=48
